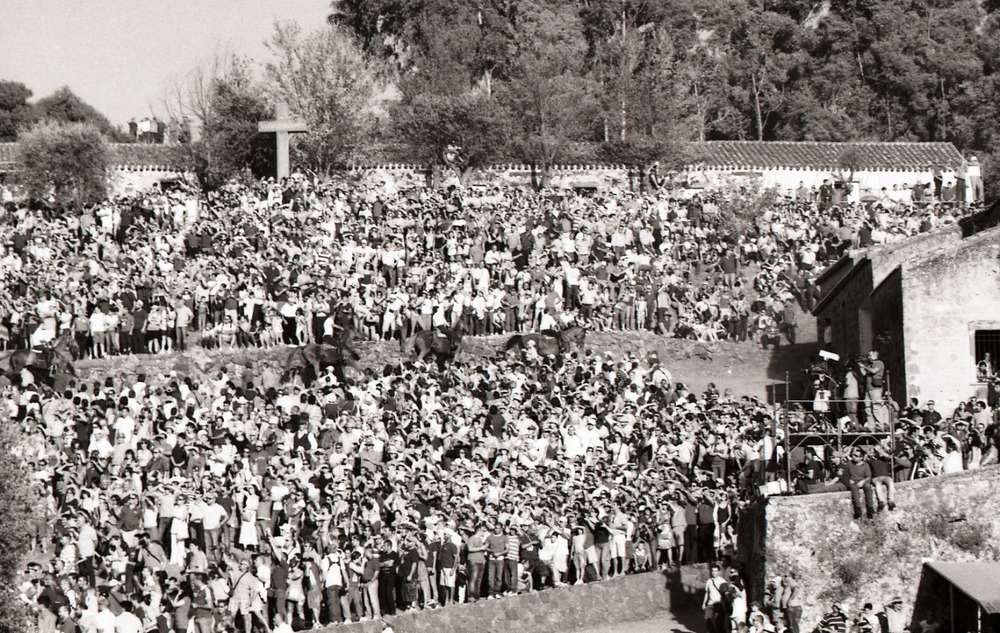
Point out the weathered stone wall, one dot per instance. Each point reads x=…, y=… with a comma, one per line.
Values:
x=841, y=318
x=947, y=298
x=787, y=180
x=621, y=177
x=128, y=180
x=625, y=599
x=950, y=518
x=887, y=331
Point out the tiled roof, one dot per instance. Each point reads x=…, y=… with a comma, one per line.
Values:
x=735, y=154
x=122, y=154
x=144, y=155
x=826, y=156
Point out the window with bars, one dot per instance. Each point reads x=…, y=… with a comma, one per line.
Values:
x=987, y=350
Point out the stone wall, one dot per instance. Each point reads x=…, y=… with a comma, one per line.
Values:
x=841, y=319
x=947, y=298
x=129, y=180
x=950, y=518
x=625, y=599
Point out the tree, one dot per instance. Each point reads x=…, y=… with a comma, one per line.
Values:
x=553, y=96
x=327, y=79
x=230, y=144
x=19, y=508
x=476, y=123
x=15, y=112
x=762, y=50
x=65, y=107
x=745, y=205
x=188, y=98
x=68, y=161
x=381, y=26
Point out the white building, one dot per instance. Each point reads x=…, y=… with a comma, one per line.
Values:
x=866, y=167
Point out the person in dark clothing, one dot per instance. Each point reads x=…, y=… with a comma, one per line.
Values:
x=388, y=563
x=858, y=479
x=691, y=533
x=706, y=529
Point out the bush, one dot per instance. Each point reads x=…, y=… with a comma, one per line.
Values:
x=849, y=572
x=939, y=526
x=970, y=537
x=68, y=161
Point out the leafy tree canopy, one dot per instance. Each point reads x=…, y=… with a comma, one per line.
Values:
x=230, y=145
x=638, y=73
x=15, y=111
x=65, y=107
x=66, y=163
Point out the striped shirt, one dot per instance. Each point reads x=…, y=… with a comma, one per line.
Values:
x=513, y=548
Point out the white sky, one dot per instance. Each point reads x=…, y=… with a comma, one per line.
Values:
x=119, y=55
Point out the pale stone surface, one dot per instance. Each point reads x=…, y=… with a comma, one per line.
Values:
x=949, y=518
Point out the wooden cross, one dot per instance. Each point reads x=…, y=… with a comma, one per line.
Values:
x=282, y=125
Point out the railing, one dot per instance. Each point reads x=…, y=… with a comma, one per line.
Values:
x=832, y=425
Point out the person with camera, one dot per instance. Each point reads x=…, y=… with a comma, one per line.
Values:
x=875, y=405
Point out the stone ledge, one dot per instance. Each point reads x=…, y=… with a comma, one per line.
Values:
x=625, y=599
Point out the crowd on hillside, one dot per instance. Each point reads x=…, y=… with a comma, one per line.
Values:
x=273, y=262
x=241, y=502
x=263, y=505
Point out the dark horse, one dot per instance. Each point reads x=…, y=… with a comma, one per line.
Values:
x=444, y=343
x=56, y=356
x=315, y=357
x=548, y=342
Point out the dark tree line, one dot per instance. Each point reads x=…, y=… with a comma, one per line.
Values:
x=548, y=80
x=17, y=115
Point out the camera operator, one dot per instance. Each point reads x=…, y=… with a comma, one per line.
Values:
x=875, y=406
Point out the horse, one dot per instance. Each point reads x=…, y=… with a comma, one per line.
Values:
x=58, y=355
x=444, y=343
x=316, y=356
x=548, y=342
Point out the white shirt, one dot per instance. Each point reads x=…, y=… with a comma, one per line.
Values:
x=127, y=623
x=105, y=622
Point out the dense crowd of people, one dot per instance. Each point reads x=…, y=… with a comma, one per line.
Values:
x=276, y=262
x=408, y=489
x=241, y=502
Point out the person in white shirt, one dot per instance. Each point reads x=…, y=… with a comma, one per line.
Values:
x=573, y=445
x=98, y=329
x=126, y=621
x=105, y=622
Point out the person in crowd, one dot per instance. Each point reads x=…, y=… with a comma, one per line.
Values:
x=239, y=500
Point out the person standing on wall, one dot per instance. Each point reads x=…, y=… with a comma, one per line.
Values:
x=875, y=406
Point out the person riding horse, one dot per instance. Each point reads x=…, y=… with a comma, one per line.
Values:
x=444, y=342
x=337, y=353
x=548, y=342
x=57, y=355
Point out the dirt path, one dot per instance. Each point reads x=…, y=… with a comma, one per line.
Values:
x=665, y=622
x=744, y=368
